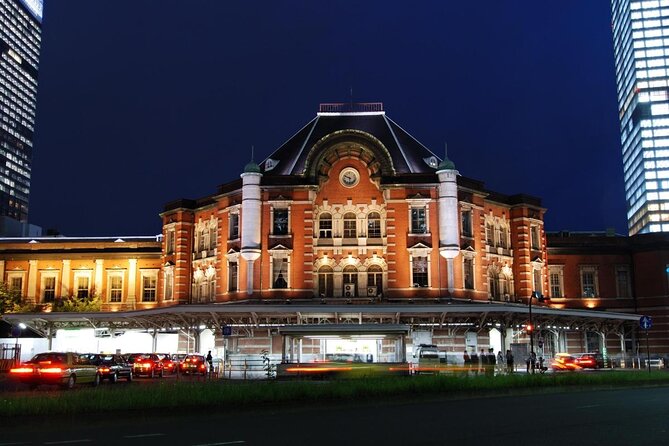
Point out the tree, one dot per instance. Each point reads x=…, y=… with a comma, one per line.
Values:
x=11, y=301
x=75, y=304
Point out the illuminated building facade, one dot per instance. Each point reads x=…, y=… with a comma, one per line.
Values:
x=352, y=221
x=20, y=34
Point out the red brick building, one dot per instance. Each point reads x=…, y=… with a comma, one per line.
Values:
x=352, y=220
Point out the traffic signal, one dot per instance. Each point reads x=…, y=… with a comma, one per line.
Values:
x=529, y=328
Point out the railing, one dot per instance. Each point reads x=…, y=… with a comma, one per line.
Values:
x=351, y=107
x=10, y=355
x=243, y=367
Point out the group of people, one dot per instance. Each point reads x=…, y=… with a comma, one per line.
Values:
x=488, y=362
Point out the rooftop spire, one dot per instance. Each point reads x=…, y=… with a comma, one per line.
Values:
x=446, y=163
x=252, y=166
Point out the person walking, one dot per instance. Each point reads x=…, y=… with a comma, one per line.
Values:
x=210, y=363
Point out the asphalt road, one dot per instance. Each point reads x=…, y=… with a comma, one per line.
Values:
x=612, y=417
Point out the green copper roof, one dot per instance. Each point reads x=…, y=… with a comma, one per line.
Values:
x=252, y=167
x=446, y=164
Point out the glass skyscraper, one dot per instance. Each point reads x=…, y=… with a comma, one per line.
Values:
x=20, y=34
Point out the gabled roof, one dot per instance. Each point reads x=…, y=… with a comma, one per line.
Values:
x=408, y=155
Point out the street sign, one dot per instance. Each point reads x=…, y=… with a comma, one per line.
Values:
x=645, y=322
x=227, y=331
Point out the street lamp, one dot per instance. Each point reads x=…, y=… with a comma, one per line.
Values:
x=541, y=299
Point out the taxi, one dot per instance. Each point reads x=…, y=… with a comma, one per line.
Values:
x=54, y=368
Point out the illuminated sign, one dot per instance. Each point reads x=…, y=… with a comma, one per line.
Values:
x=35, y=7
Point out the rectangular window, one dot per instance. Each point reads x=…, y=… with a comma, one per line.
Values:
x=419, y=271
x=490, y=234
x=49, y=289
x=556, y=285
x=203, y=241
x=588, y=282
x=82, y=287
x=115, y=288
x=170, y=242
x=534, y=238
x=349, y=228
x=623, y=282
x=232, y=276
x=234, y=226
x=502, y=238
x=469, y=273
x=536, y=274
x=169, y=284
x=279, y=273
x=280, y=224
x=149, y=287
x=16, y=285
x=418, y=221
x=325, y=228
x=374, y=226
x=212, y=237
x=466, y=223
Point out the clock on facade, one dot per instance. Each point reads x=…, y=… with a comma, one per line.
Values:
x=349, y=177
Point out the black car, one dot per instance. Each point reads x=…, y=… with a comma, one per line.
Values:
x=111, y=367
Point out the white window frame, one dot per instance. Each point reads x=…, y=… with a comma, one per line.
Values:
x=232, y=257
x=559, y=272
x=110, y=276
x=420, y=252
x=87, y=274
x=168, y=280
x=231, y=235
x=170, y=240
x=43, y=277
x=16, y=275
x=595, y=278
x=287, y=211
x=149, y=274
x=471, y=258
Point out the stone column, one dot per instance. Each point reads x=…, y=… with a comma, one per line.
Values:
x=132, y=280
x=99, y=268
x=32, y=282
x=65, y=279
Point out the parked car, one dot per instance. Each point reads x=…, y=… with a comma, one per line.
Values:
x=169, y=366
x=194, y=364
x=111, y=367
x=565, y=361
x=590, y=360
x=56, y=368
x=146, y=364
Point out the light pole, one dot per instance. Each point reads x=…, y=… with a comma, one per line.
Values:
x=540, y=298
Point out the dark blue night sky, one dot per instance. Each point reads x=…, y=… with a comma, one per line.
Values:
x=142, y=102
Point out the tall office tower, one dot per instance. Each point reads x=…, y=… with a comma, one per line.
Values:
x=20, y=34
x=641, y=46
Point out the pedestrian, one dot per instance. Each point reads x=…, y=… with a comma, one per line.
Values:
x=474, y=361
x=509, y=361
x=500, y=361
x=210, y=361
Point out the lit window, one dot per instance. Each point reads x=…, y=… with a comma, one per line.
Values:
x=349, y=225
x=374, y=225
x=588, y=282
x=115, y=288
x=49, y=289
x=169, y=283
x=419, y=271
x=149, y=280
x=279, y=273
x=325, y=226
x=82, y=286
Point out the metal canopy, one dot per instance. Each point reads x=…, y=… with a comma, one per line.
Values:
x=474, y=315
x=344, y=329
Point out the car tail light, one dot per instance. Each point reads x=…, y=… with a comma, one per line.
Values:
x=146, y=365
x=21, y=370
x=104, y=369
x=52, y=370
x=201, y=366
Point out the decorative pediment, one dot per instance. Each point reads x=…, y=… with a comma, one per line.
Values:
x=279, y=248
x=419, y=245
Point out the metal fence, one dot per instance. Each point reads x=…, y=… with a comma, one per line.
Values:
x=10, y=355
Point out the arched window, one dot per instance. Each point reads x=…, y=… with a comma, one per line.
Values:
x=349, y=225
x=375, y=278
x=374, y=225
x=350, y=277
x=325, y=226
x=325, y=281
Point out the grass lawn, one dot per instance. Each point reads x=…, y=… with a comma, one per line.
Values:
x=219, y=394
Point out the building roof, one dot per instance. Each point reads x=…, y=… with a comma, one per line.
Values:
x=406, y=153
